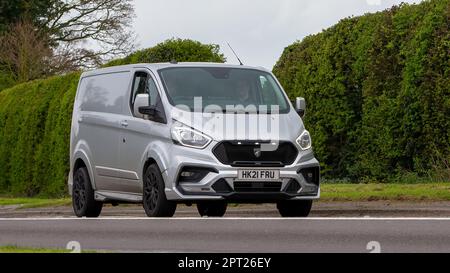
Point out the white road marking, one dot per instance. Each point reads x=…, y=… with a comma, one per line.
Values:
x=232, y=218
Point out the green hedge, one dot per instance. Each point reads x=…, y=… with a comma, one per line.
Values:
x=6, y=80
x=35, y=120
x=378, y=92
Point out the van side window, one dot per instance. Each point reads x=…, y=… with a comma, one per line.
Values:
x=104, y=93
x=144, y=84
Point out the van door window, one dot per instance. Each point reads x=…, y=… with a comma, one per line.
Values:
x=139, y=85
x=144, y=84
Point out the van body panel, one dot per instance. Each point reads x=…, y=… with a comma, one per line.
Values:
x=135, y=146
x=98, y=114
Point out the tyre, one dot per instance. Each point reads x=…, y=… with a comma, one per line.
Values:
x=83, y=201
x=212, y=208
x=298, y=208
x=154, y=198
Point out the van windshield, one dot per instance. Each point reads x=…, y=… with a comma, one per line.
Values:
x=223, y=88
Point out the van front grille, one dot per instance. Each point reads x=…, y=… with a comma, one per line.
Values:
x=249, y=153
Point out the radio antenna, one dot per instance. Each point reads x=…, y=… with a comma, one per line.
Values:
x=235, y=54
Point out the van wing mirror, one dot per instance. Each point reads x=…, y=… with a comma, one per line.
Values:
x=141, y=101
x=148, y=110
x=300, y=106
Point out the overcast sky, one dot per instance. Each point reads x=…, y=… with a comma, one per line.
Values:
x=258, y=30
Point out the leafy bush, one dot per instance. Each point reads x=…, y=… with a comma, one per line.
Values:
x=378, y=91
x=180, y=50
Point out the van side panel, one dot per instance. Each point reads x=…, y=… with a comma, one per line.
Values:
x=99, y=109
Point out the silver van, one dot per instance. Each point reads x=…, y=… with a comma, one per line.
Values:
x=192, y=133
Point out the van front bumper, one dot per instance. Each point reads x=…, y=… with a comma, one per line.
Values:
x=221, y=183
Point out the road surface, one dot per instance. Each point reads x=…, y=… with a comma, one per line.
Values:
x=231, y=234
x=320, y=209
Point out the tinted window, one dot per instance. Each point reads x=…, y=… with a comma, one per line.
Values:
x=104, y=93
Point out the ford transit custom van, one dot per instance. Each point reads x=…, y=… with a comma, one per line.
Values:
x=191, y=133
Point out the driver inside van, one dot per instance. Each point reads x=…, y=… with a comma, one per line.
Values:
x=243, y=89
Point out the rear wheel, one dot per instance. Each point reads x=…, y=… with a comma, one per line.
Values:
x=297, y=208
x=83, y=201
x=212, y=208
x=154, y=198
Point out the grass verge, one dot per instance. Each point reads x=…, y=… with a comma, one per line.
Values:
x=15, y=249
x=391, y=192
x=33, y=202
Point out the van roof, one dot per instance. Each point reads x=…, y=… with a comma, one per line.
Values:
x=157, y=66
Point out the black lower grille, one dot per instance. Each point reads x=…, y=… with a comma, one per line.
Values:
x=257, y=186
x=221, y=186
x=293, y=186
x=249, y=153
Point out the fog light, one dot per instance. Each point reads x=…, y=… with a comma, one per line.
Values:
x=187, y=174
x=311, y=175
x=194, y=174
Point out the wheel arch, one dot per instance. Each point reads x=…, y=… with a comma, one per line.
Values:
x=154, y=155
x=148, y=162
x=81, y=160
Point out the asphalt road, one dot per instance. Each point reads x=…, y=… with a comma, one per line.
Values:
x=232, y=234
x=320, y=209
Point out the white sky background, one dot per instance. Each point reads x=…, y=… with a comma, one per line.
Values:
x=258, y=30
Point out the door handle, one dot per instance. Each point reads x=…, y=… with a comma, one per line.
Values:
x=124, y=123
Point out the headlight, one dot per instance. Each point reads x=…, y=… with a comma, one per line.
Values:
x=304, y=140
x=189, y=137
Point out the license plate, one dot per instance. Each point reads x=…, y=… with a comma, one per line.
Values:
x=258, y=175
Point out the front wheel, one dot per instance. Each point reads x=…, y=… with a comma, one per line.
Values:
x=154, y=198
x=83, y=201
x=295, y=208
x=212, y=208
